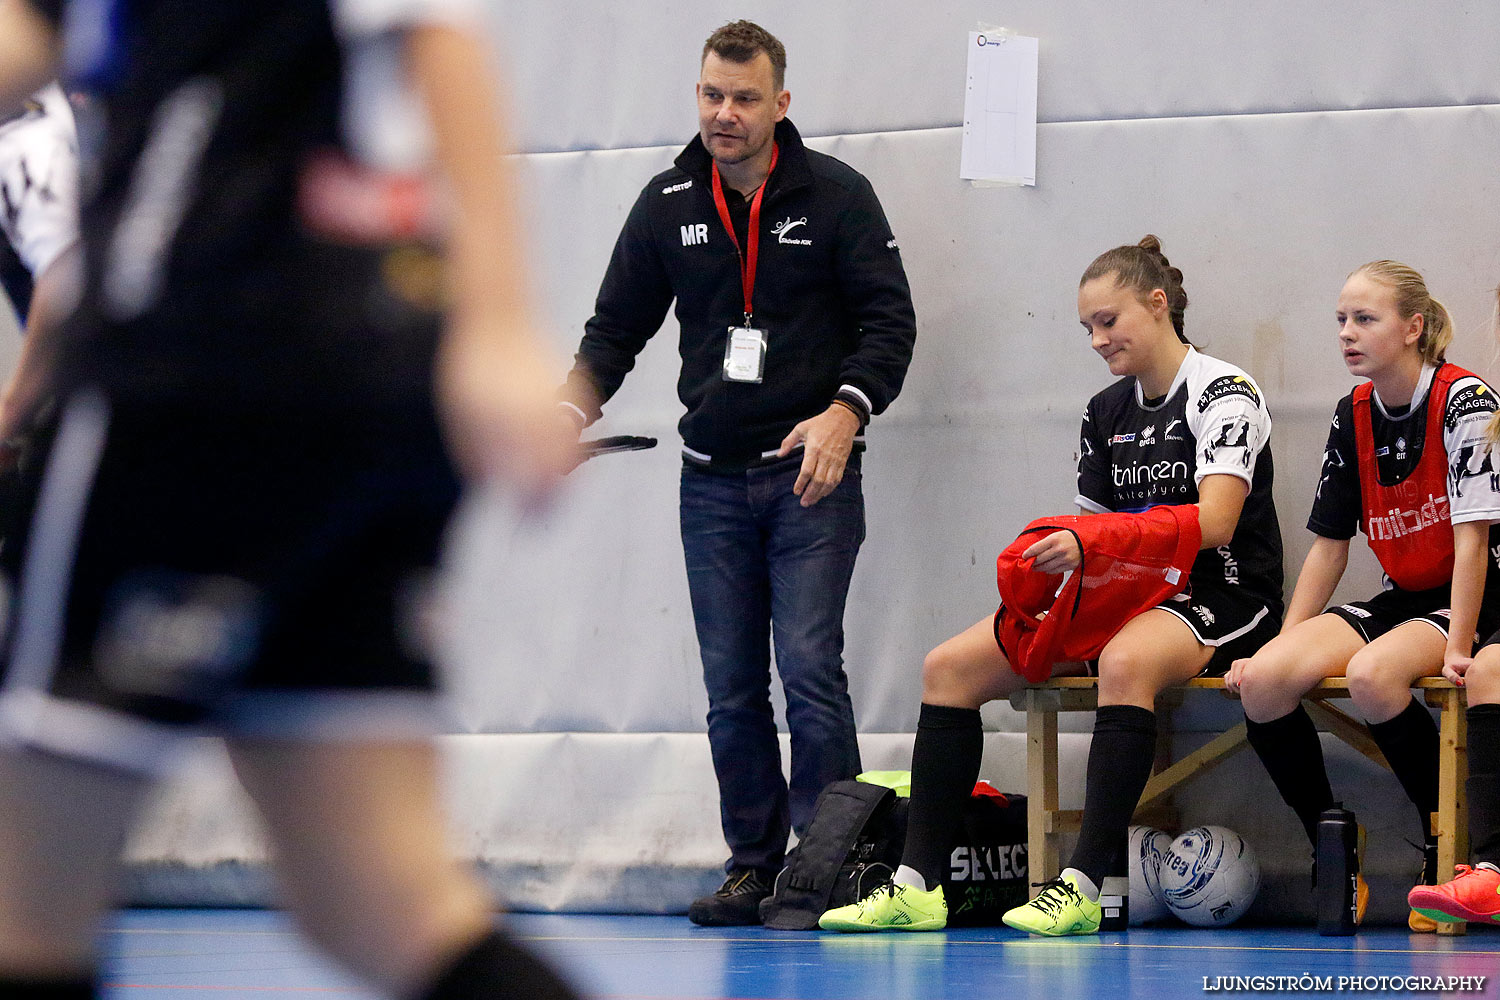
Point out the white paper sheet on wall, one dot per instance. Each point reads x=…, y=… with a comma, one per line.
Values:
x=1000, y=109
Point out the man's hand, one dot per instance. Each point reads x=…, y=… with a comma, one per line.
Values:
x=827, y=440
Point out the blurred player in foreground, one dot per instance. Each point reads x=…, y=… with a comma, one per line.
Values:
x=248, y=483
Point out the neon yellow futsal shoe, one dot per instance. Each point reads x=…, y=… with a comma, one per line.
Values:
x=892, y=907
x=1059, y=909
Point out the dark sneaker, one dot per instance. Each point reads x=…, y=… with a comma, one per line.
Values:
x=736, y=904
x=1416, y=920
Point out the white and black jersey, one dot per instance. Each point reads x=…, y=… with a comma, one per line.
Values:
x=204, y=276
x=1135, y=454
x=1399, y=438
x=38, y=190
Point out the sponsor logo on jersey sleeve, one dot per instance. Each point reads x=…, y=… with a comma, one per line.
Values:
x=1226, y=386
x=1472, y=461
x=1230, y=444
x=1472, y=398
x=1331, y=460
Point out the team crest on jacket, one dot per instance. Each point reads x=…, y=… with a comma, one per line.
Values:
x=787, y=225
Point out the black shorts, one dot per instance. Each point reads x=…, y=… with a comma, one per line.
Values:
x=1234, y=623
x=258, y=575
x=1389, y=608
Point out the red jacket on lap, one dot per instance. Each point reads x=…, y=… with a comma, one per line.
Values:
x=1131, y=563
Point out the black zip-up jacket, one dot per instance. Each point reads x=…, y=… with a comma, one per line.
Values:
x=830, y=290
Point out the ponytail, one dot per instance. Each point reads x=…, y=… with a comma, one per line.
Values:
x=1412, y=297
x=1143, y=268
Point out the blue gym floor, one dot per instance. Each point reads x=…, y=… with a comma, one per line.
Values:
x=225, y=954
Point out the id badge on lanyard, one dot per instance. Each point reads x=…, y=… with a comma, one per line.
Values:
x=745, y=346
x=745, y=354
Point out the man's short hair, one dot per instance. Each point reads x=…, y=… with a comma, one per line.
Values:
x=739, y=41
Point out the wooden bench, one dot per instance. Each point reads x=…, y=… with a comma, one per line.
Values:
x=1047, y=822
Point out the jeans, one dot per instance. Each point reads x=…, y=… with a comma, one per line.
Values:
x=762, y=569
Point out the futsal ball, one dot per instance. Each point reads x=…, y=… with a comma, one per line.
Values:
x=1209, y=876
x=1148, y=846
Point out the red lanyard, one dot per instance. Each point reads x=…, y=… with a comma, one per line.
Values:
x=750, y=255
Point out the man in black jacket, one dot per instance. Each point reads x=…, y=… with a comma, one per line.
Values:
x=796, y=326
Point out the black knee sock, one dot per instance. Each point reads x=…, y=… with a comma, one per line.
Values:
x=494, y=967
x=1483, y=787
x=1410, y=745
x=46, y=989
x=944, y=767
x=1120, y=759
x=1293, y=756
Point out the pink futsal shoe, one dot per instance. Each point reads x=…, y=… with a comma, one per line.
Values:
x=1473, y=895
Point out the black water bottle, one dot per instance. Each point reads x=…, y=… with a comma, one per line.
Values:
x=1114, y=903
x=1337, y=865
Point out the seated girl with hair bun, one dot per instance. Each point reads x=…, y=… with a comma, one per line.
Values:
x=1475, y=893
x=1407, y=463
x=1177, y=428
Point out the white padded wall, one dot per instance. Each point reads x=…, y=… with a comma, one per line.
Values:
x=1273, y=147
x=595, y=75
